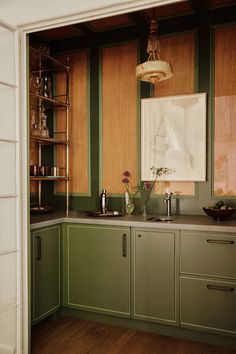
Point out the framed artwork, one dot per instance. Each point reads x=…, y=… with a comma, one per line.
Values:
x=173, y=135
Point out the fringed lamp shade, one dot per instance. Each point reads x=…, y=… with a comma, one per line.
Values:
x=154, y=69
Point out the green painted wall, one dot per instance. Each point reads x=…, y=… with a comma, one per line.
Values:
x=203, y=25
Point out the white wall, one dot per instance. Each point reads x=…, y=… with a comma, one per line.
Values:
x=25, y=12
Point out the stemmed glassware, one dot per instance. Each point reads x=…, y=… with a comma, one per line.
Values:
x=36, y=84
x=41, y=85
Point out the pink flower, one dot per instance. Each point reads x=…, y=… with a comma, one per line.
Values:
x=125, y=180
x=147, y=186
x=127, y=174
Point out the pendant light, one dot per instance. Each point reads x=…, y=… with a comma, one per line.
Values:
x=154, y=69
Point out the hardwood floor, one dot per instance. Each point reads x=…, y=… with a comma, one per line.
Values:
x=72, y=336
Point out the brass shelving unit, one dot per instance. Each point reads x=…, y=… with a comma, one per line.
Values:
x=42, y=63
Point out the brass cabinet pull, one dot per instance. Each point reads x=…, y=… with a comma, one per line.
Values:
x=222, y=242
x=221, y=288
x=38, y=248
x=124, y=245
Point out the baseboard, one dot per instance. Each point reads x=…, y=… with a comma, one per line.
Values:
x=165, y=330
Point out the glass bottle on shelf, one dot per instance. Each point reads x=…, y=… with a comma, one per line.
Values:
x=34, y=128
x=35, y=131
x=44, y=128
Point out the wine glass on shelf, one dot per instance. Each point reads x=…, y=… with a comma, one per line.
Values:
x=36, y=84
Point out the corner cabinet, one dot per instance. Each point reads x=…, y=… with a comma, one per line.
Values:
x=155, y=275
x=49, y=124
x=45, y=272
x=208, y=281
x=96, y=273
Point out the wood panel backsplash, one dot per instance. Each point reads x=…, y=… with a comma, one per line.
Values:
x=119, y=138
x=225, y=111
x=179, y=50
x=78, y=124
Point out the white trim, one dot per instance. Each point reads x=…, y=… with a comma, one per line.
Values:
x=19, y=207
x=7, y=26
x=8, y=196
x=3, y=83
x=8, y=307
x=93, y=14
x=14, y=250
x=23, y=136
x=8, y=140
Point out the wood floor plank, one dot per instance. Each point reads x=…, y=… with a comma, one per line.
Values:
x=74, y=342
x=96, y=339
x=48, y=328
x=121, y=343
x=54, y=342
x=65, y=335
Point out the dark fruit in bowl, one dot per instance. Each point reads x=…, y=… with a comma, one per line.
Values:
x=219, y=214
x=220, y=204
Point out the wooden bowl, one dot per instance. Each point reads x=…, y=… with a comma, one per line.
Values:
x=219, y=214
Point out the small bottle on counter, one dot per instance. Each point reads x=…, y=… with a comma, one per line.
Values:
x=103, y=202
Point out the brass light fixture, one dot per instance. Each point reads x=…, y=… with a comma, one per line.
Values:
x=154, y=69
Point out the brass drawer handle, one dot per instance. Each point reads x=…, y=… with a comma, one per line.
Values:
x=222, y=242
x=221, y=288
x=38, y=248
x=124, y=245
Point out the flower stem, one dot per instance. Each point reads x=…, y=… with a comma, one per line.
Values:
x=150, y=190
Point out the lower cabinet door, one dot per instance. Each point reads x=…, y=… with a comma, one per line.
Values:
x=208, y=304
x=155, y=276
x=45, y=272
x=97, y=269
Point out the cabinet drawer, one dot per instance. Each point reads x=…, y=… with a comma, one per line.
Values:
x=208, y=254
x=208, y=304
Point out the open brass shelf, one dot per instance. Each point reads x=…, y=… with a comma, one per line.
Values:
x=45, y=141
x=43, y=98
x=48, y=63
x=49, y=101
x=49, y=178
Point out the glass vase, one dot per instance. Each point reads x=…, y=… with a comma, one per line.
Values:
x=144, y=211
x=129, y=208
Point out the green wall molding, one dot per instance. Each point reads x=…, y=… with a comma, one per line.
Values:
x=203, y=28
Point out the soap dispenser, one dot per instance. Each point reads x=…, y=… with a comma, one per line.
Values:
x=103, y=200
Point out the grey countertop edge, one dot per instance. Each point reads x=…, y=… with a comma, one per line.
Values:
x=180, y=222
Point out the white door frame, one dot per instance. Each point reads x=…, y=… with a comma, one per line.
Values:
x=92, y=14
x=12, y=137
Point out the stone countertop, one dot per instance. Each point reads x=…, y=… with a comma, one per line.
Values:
x=180, y=222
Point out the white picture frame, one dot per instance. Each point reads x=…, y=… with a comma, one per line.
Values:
x=173, y=135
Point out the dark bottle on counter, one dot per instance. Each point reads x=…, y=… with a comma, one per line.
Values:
x=103, y=201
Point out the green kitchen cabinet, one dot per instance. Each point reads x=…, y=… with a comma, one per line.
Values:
x=208, y=304
x=155, y=272
x=208, y=253
x=97, y=269
x=45, y=272
x=208, y=281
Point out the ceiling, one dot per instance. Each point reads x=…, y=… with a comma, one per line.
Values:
x=163, y=13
